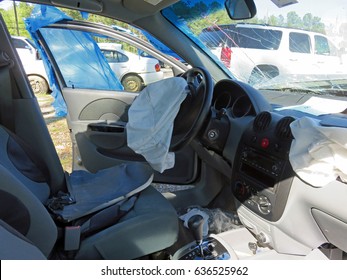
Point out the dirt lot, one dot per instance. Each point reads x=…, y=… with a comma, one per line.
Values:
x=58, y=129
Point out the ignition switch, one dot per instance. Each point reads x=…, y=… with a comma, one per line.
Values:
x=212, y=134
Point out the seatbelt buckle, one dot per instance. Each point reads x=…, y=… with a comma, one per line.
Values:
x=72, y=238
x=5, y=60
x=59, y=201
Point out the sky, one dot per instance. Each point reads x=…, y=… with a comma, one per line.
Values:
x=337, y=9
x=5, y=4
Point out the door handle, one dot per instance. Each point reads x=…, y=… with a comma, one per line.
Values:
x=102, y=127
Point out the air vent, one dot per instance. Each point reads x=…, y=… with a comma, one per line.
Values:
x=261, y=121
x=283, y=128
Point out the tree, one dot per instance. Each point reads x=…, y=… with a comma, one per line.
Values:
x=293, y=20
x=281, y=20
x=182, y=8
x=317, y=25
x=313, y=23
x=308, y=21
x=214, y=6
x=23, y=11
x=272, y=20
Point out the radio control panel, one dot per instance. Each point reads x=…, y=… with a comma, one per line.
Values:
x=262, y=173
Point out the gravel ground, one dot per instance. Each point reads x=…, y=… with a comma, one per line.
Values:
x=58, y=129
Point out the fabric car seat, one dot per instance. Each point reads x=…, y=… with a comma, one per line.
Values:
x=127, y=220
x=24, y=193
x=15, y=246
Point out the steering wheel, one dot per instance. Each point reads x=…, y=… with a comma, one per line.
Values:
x=194, y=109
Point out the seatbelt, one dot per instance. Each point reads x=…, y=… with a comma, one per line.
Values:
x=6, y=107
x=99, y=221
x=212, y=159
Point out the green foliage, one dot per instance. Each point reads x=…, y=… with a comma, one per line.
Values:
x=23, y=10
x=197, y=20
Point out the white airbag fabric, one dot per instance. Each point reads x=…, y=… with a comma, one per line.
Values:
x=151, y=117
x=318, y=153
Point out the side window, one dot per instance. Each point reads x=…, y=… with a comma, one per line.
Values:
x=80, y=55
x=323, y=46
x=111, y=58
x=122, y=57
x=81, y=63
x=19, y=44
x=299, y=42
x=257, y=38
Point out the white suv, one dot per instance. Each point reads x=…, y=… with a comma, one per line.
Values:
x=255, y=53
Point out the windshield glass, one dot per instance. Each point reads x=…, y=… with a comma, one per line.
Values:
x=289, y=47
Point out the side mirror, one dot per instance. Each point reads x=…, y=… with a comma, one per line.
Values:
x=240, y=9
x=28, y=48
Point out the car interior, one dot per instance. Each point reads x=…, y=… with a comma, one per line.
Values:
x=241, y=198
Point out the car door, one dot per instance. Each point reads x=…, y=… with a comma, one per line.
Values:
x=300, y=55
x=118, y=62
x=326, y=55
x=96, y=106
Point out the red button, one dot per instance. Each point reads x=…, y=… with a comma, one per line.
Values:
x=265, y=143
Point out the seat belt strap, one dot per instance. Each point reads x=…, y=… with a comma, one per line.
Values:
x=212, y=159
x=99, y=221
x=6, y=106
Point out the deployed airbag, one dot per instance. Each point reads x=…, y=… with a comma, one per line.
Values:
x=151, y=117
x=318, y=153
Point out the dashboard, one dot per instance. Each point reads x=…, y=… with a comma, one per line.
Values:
x=262, y=174
x=261, y=140
x=272, y=200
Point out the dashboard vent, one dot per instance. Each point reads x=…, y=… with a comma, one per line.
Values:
x=283, y=128
x=261, y=121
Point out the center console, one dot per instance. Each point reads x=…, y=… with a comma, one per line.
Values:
x=262, y=174
x=210, y=249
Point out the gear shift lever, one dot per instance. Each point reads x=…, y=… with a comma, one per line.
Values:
x=195, y=224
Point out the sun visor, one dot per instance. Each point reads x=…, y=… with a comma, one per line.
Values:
x=151, y=118
x=318, y=153
x=72, y=51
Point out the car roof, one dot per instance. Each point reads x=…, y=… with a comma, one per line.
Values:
x=19, y=37
x=110, y=46
x=260, y=26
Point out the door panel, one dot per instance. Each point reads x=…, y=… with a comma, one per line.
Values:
x=97, y=121
x=97, y=110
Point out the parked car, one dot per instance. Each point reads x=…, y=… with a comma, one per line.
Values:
x=133, y=70
x=243, y=173
x=32, y=63
x=255, y=53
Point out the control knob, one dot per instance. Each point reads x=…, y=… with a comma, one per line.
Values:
x=264, y=204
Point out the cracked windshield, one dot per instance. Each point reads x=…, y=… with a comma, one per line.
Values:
x=285, y=51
